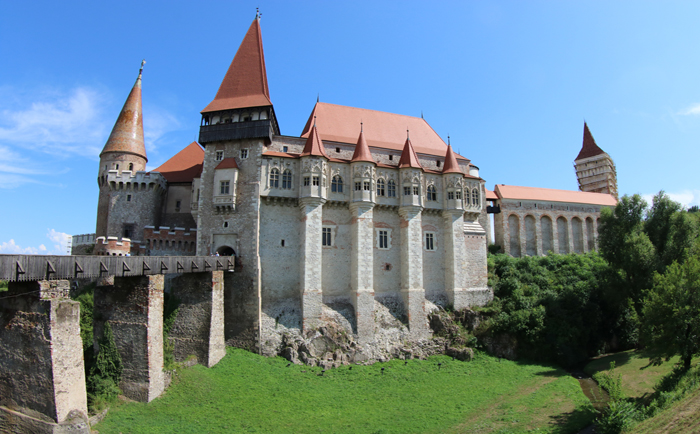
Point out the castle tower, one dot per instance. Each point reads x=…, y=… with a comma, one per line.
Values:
x=124, y=151
x=595, y=170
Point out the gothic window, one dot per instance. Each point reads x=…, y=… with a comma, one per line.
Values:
x=358, y=186
x=316, y=180
x=366, y=186
x=450, y=195
x=429, y=241
x=244, y=154
x=224, y=187
x=458, y=193
x=416, y=192
x=406, y=191
x=287, y=179
x=337, y=184
x=219, y=155
x=327, y=237
x=432, y=194
x=475, y=197
x=380, y=187
x=274, y=178
x=307, y=181
x=391, y=188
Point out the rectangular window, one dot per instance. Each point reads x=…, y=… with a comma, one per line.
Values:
x=392, y=189
x=450, y=195
x=429, y=241
x=285, y=148
x=128, y=198
x=358, y=186
x=244, y=154
x=365, y=185
x=327, y=237
x=219, y=155
x=458, y=194
x=415, y=191
x=177, y=205
x=224, y=187
x=407, y=191
x=391, y=157
x=383, y=239
x=307, y=181
x=316, y=181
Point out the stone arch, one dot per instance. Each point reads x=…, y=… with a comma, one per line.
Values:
x=530, y=235
x=563, y=233
x=590, y=234
x=577, y=233
x=514, y=231
x=226, y=251
x=547, y=234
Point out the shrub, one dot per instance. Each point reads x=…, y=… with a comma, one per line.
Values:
x=619, y=416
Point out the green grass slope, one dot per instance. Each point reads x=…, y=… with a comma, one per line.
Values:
x=681, y=417
x=249, y=393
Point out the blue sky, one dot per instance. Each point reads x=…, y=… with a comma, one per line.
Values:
x=510, y=82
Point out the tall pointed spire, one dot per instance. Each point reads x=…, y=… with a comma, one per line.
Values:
x=127, y=134
x=245, y=82
x=589, y=148
x=362, y=152
x=408, y=156
x=451, y=165
x=314, y=145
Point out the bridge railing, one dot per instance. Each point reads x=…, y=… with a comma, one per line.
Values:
x=35, y=267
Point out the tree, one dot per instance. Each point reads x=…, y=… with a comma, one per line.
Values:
x=671, y=312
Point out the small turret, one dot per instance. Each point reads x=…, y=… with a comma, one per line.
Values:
x=411, y=176
x=595, y=170
x=313, y=164
x=362, y=167
x=452, y=181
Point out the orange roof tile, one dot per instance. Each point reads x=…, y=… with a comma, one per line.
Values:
x=409, y=157
x=547, y=194
x=589, y=148
x=245, y=82
x=280, y=154
x=490, y=195
x=227, y=163
x=127, y=134
x=384, y=130
x=451, y=165
x=362, y=150
x=185, y=165
x=314, y=145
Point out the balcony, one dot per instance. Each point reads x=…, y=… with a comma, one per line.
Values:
x=236, y=130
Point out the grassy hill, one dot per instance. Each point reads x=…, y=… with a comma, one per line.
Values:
x=249, y=393
x=681, y=417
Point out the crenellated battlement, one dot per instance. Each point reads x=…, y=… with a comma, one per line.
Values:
x=139, y=181
x=164, y=240
x=112, y=246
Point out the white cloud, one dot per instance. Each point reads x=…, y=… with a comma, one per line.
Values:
x=156, y=123
x=60, y=241
x=686, y=198
x=692, y=110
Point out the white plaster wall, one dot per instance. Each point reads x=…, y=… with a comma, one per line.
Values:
x=280, y=265
x=434, y=261
x=336, y=259
x=387, y=281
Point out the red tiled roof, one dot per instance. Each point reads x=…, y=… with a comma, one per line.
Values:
x=227, y=163
x=280, y=154
x=451, y=165
x=547, y=194
x=490, y=195
x=127, y=134
x=185, y=165
x=408, y=156
x=362, y=150
x=338, y=123
x=589, y=148
x=314, y=145
x=245, y=82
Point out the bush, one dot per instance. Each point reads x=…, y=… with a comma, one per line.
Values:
x=3, y=285
x=106, y=373
x=610, y=382
x=619, y=416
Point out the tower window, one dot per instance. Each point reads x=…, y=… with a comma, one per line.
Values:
x=450, y=195
x=358, y=186
x=438, y=163
x=391, y=189
x=177, y=205
x=285, y=148
x=407, y=191
x=337, y=184
x=432, y=194
x=458, y=194
x=380, y=187
x=287, y=179
x=429, y=241
x=128, y=198
x=391, y=157
x=282, y=243
x=274, y=178
x=307, y=181
x=327, y=237
x=365, y=186
x=337, y=150
x=416, y=192
x=219, y=155
x=316, y=180
x=131, y=166
x=244, y=154
x=116, y=166
x=383, y=238
x=224, y=187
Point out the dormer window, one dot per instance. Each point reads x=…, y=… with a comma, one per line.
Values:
x=337, y=150
x=285, y=148
x=438, y=163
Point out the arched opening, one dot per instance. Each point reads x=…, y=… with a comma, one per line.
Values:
x=547, y=234
x=530, y=236
x=514, y=232
x=225, y=251
x=577, y=233
x=563, y=235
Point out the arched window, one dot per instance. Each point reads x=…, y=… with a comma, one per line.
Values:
x=337, y=184
x=432, y=194
x=391, y=188
x=380, y=187
x=131, y=166
x=274, y=178
x=475, y=197
x=287, y=179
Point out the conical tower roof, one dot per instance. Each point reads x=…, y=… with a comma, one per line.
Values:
x=409, y=157
x=362, y=150
x=127, y=134
x=313, y=145
x=589, y=148
x=245, y=82
x=451, y=165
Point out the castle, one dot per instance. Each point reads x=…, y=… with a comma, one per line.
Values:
x=365, y=210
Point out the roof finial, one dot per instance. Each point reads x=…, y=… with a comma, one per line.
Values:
x=258, y=15
x=421, y=114
x=361, y=126
x=318, y=97
x=314, y=121
x=448, y=140
x=407, y=136
x=143, y=62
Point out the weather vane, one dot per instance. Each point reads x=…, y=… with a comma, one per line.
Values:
x=143, y=62
x=258, y=15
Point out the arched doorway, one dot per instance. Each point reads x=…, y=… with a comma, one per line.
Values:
x=226, y=251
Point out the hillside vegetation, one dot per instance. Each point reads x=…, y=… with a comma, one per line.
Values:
x=249, y=393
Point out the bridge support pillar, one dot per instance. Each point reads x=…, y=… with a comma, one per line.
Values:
x=199, y=325
x=133, y=306
x=42, y=373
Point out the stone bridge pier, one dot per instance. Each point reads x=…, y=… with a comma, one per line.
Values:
x=42, y=375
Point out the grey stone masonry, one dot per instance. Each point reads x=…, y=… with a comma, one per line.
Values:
x=134, y=308
x=199, y=326
x=455, y=257
x=361, y=268
x=42, y=373
x=412, y=290
x=311, y=261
